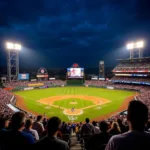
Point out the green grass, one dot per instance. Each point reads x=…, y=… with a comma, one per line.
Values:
x=66, y=103
x=115, y=96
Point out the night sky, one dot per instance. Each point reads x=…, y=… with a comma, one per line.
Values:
x=58, y=33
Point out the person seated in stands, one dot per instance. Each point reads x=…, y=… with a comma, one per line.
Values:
x=65, y=129
x=77, y=132
x=99, y=141
x=136, y=138
x=28, y=129
x=38, y=126
x=115, y=129
x=16, y=138
x=51, y=141
x=4, y=123
x=87, y=128
x=44, y=122
x=96, y=128
x=121, y=125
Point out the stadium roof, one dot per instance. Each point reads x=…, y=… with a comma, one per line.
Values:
x=144, y=59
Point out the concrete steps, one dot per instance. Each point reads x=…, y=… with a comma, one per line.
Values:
x=75, y=145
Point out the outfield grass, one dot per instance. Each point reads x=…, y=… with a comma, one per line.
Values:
x=115, y=96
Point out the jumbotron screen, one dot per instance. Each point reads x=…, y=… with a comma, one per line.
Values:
x=75, y=72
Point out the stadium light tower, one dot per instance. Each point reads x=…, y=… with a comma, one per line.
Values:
x=130, y=47
x=13, y=50
x=140, y=45
x=136, y=48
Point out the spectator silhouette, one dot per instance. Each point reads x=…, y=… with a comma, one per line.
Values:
x=4, y=123
x=65, y=129
x=136, y=138
x=96, y=128
x=51, y=141
x=15, y=138
x=28, y=129
x=122, y=127
x=38, y=126
x=99, y=141
x=115, y=129
x=87, y=128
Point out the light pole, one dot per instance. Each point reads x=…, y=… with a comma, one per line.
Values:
x=136, y=48
x=13, y=50
x=130, y=47
x=140, y=45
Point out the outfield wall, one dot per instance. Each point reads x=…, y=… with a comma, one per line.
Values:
x=75, y=82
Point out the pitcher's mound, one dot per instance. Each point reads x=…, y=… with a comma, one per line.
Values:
x=73, y=103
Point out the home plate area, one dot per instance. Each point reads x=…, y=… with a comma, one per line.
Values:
x=73, y=112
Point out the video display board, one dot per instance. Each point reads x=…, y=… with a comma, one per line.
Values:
x=75, y=72
x=23, y=76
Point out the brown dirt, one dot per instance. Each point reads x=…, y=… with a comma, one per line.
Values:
x=122, y=107
x=72, y=113
x=20, y=103
x=73, y=103
x=95, y=100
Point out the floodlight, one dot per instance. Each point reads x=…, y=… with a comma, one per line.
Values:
x=9, y=45
x=140, y=44
x=130, y=46
x=13, y=58
x=17, y=47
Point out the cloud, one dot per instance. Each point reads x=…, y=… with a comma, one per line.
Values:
x=75, y=28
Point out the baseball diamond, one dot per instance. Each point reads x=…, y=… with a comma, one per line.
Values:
x=74, y=101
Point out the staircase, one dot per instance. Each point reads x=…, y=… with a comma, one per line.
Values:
x=75, y=145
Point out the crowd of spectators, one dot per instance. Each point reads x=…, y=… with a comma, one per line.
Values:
x=132, y=67
x=143, y=92
x=19, y=84
x=131, y=79
x=120, y=132
x=5, y=98
x=42, y=133
x=96, y=83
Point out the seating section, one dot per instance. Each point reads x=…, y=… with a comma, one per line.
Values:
x=25, y=83
x=74, y=134
x=131, y=79
x=5, y=97
x=96, y=83
x=132, y=67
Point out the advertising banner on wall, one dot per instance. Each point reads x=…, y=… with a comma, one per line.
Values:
x=102, y=79
x=23, y=76
x=28, y=88
x=42, y=76
x=51, y=78
x=36, y=84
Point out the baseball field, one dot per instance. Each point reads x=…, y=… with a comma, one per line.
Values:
x=74, y=104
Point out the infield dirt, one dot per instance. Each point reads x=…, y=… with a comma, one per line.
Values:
x=96, y=100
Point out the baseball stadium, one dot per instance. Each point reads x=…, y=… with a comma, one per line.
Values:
x=72, y=100
x=76, y=98
x=74, y=75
